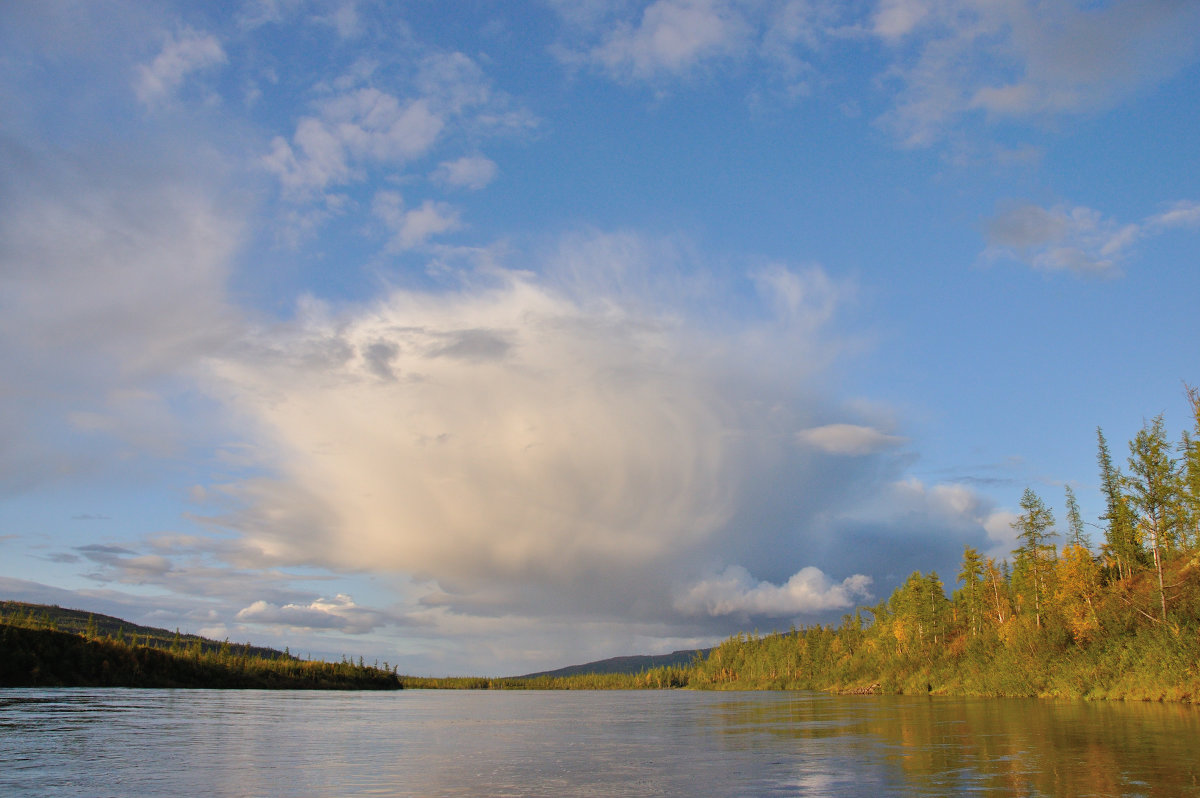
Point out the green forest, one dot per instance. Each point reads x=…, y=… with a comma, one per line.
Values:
x=43, y=647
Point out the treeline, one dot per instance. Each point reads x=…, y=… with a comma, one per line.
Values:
x=1060, y=619
x=660, y=678
x=32, y=654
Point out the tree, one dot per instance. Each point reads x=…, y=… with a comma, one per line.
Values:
x=1078, y=583
x=972, y=592
x=1035, y=556
x=918, y=613
x=997, y=592
x=1075, y=535
x=1121, y=542
x=1154, y=490
x=1190, y=470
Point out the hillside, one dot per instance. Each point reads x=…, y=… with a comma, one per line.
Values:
x=43, y=647
x=82, y=622
x=625, y=665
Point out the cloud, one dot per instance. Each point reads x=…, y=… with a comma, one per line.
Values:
x=522, y=435
x=735, y=592
x=671, y=37
x=945, y=64
x=523, y=443
x=1185, y=213
x=471, y=172
x=1078, y=239
x=362, y=127
x=848, y=439
x=1021, y=59
x=181, y=55
x=411, y=228
x=339, y=613
x=112, y=285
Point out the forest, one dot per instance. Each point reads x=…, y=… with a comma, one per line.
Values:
x=35, y=652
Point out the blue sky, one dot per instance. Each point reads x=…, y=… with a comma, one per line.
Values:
x=487, y=338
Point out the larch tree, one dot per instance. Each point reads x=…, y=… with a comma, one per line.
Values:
x=1189, y=449
x=1075, y=534
x=1154, y=490
x=1121, y=542
x=1036, y=554
x=971, y=576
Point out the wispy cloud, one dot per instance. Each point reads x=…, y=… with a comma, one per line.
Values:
x=671, y=36
x=470, y=171
x=948, y=61
x=360, y=128
x=181, y=55
x=1020, y=59
x=1076, y=239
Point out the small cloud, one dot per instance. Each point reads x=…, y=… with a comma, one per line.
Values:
x=735, y=593
x=98, y=550
x=671, y=37
x=848, y=439
x=180, y=56
x=1185, y=213
x=471, y=171
x=339, y=613
x=412, y=228
x=1079, y=239
x=90, y=517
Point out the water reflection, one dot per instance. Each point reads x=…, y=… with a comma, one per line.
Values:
x=944, y=746
x=163, y=742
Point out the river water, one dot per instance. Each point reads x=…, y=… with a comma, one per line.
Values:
x=84, y=742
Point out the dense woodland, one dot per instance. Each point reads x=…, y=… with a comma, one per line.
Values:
x=36, y=652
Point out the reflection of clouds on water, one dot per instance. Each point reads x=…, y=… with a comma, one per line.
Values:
x=576, y=743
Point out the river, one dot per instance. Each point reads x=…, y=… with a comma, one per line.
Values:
x=95, y=742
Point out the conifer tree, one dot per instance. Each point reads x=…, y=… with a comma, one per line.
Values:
x=1035, y=556
x=1190, y=470
x=1154, y=490
x=1122, y=544
x=971, y=576
x=1075, y=535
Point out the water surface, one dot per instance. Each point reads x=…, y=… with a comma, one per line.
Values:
x=94, y=742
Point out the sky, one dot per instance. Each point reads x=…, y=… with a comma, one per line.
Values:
x=487, y=338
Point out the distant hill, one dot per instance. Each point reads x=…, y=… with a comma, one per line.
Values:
x=80, y=621
x=47, y=646
x=626, y=665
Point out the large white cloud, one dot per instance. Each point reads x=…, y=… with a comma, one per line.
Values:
x=508, y=432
